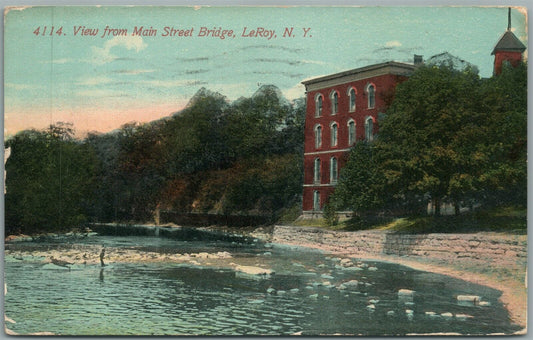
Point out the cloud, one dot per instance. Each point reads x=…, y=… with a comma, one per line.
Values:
x=283, y=74
x=297, y=91
x=314, y=62
x=393, y=43
x=172, y=83
x=95, y=81
x=273, y=47
x=102, y=55
x=276, y=60
x=22, y=86
x=57, y=61
x=133, y=72
x=196, y=71
x=97, y=93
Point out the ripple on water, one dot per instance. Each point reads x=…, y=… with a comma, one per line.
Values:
x=178, y=299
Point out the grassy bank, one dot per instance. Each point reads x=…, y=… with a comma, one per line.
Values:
x=502, y=219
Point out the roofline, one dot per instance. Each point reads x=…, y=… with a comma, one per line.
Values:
x=409, y=67
x=516, y=49
x=511, y=49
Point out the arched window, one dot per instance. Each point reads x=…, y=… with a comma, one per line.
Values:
x=318, y=136
x=334, y=102
x=351, y=132
x=318, y=105
x=334, y=133
x=351, y=94
x=371, y=91
x=316, y=176
x=333, y=170
x=369, y=129
x=316, y=200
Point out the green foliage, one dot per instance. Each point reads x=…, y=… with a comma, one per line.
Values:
x=330, y=215
x=448, y=136
x=361, y=185
x=264, y=186
x=50, y=180
x=290, y=213
x=238, y=158
x=192, y=141
x=428, y=136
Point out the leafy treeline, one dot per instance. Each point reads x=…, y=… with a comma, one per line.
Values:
x=449, y=137
x=243, y=157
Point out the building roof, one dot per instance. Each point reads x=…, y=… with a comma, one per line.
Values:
x=390, y=67
x=510, y=43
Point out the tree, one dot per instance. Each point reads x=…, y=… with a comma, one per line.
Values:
x=361, y=185
x=448, y=136
x=192, y=140
x=421, y=138
x=254, y=126
x=141, y=169
x=50, y=180
x=504, y=177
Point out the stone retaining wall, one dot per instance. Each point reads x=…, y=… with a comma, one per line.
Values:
x=486, y=247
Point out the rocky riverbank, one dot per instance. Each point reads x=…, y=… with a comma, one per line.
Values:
x=496, y=260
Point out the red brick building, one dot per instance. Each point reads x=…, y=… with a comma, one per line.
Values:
x=343, y=108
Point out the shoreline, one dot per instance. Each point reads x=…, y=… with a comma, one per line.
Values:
x=511, y=282
x=509, y=277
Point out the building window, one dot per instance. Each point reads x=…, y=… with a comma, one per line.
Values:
x=334, y=103
x=351, y=132
x=351, y=94
x=316, y=200
x=317, y=171
x=318, y=136
x=318, y=103
x=333, y=170
x=369, y=129
x=371, y=91
x=334, y=133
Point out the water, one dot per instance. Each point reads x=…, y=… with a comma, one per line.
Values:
x=304, y=296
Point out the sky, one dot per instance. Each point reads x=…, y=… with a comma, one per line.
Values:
x=123, y=74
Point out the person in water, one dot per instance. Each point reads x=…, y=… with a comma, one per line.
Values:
x=102, y=254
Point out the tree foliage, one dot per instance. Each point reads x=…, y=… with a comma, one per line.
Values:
x=448, y=136
x=213, y=156
x=361, y=188
x=50, y=179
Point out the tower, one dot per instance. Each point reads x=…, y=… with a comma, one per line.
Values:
x=509, y=49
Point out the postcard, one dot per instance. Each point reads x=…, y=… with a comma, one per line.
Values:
x=265, y=170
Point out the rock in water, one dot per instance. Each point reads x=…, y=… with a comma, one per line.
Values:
x=60, y=263
x=468, y=298
x=251, y=270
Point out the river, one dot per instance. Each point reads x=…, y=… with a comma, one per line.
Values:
x=189, y=286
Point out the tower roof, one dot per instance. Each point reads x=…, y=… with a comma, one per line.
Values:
x=510, y=43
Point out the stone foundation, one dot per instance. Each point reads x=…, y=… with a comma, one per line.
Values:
x=503, y=249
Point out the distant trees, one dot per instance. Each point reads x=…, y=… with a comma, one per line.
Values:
x=214, y=156
x=448, y=136
x=233, y=157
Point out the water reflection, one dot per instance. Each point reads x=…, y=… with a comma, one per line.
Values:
x=309, y=294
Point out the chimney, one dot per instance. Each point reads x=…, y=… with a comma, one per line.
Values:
x=418, y=60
